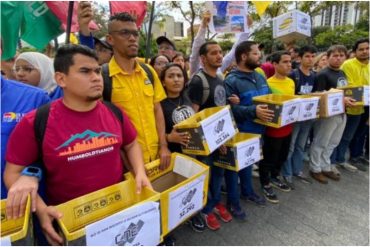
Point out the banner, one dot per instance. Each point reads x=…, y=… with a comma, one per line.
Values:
x=228, y=17
x=138, y=9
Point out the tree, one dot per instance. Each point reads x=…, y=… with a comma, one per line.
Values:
x=101, y=17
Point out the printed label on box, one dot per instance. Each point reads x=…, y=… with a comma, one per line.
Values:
x=308, y=109
x=335, y=104
x=185, y=201
x=290, y=112
x=5, y=241
x=138, y=225
x=218, y=129
x=366, y=95
x=248, y=153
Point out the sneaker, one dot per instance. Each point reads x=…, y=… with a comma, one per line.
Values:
x=276, y=183
x=348, y=167
x=360, y=166
x=269, y=194
x=331, y=175
x=335, y=170
x=237, y=212
x=222, y=212
x=364, y=159
x=304, y=179
x=259, y=200
x=288, y=181
x=197, y=223
x=211, y=221
x=318, y=176
x=168, y=241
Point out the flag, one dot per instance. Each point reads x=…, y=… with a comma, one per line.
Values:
x=33, y=22
x=261, y=6
x=135, y=8
x=60, y=10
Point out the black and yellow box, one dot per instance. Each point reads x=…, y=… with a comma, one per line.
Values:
x=331, y=102
x=208, y=130
x=243, y=150
x=285, y=107
x=183, y=187
x=358, y=93
x=97, y=206
x=17, y=232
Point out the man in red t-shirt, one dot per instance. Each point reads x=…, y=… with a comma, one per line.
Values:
x=82, y=142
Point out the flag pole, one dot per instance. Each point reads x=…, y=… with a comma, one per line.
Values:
x=148, y=39
x=69, y=21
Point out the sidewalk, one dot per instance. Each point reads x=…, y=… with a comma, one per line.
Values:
x=312, y=214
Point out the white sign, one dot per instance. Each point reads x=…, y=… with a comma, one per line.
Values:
x=248, y=153
x=292, y=22
x=228, y=16
x=335, y=104
x=218, y=129
x=308, y=108
x=5, y=241
x=290, y=112
x=185, y=201
x=137, y=225
x=366, y=95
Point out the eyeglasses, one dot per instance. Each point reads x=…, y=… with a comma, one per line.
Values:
x=25, y=69
x=125, y=33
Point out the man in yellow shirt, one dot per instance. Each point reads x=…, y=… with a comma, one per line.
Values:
x=134, y=92
x=357, y=73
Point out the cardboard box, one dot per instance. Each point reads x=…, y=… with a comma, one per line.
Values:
x=285, y=107
x=243, y=150
x=115, y=215
x=291, y=26
x=17, y=232
x=209, y=129
x=358, y=93
x=183, y=186
x=331, y=102
x=309, y=108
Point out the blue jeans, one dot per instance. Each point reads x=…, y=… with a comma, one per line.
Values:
x=294, y=163
x=215, y=181
x=246, y=185
x=339, y=152
x=362, y=132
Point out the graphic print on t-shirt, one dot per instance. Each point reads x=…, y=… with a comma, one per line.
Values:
x=181, y=113
x=9, y=117
x=87, y=144
x=220, y=96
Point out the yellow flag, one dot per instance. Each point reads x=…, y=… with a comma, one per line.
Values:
x=261, y=6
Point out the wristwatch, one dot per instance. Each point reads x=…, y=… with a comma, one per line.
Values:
x=32, y=171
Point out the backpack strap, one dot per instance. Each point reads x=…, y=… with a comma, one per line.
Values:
x=107, y=92
x=205, y=84
x=296, y=79
x=148, y=72
x=40, y=123
x=115, y=110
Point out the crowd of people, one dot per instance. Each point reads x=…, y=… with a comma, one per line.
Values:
x=134, y=124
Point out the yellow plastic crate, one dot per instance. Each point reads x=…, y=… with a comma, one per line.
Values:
x=17, y=231
x=93, y=207
x=309, y=107
x=180, y=202
x=285, y=107
x=243, y=150
x=358, y=93
x=209, y=129
x=331, y=102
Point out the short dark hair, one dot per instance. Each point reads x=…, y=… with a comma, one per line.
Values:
x=358, y=42
x=178, y=54
x=295, y=49
x=123, y=16
x=64, y=57
x=152, y=60
x=170, y=65
x=338, y=48
x=242, y=48
x=203, y=50
x=307, y=48
x=276, y=56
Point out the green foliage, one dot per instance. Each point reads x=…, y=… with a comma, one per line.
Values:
x=28, y=49
x=101, y=16
x=142, y=45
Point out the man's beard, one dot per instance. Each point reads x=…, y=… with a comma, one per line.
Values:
x=251, y=64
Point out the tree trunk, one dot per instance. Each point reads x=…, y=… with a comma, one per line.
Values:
x=322, y=17
x=330, y=14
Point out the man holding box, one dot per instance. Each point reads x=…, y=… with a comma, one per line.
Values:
x=328, y=131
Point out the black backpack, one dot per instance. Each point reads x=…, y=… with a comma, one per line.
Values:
x=107, y=93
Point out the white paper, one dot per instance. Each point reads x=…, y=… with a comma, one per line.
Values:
x=308, y=108
x=335, y=104
x=5, y=241
x=248, y=153
x=137, y=225
x=366, y=95
x=290, y=112
x=218, y=129
x=235, y=20
x=185, y=201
